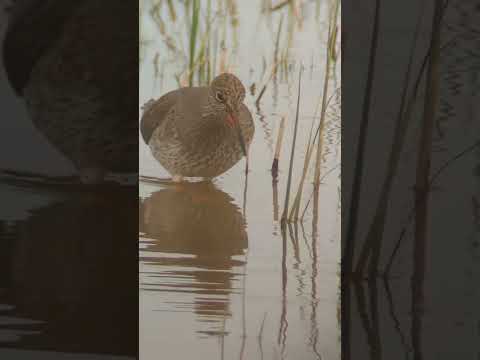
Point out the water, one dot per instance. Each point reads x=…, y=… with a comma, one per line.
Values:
x=218, y=277
x=53, y=288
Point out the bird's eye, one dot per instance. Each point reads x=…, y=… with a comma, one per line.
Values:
x=219, y=96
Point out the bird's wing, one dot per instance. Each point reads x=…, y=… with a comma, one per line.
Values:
x=184, y=106
x=155, y=112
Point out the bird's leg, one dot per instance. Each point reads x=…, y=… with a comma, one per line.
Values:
x=177, y=178
x=246, y=164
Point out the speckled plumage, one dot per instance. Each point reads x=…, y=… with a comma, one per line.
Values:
x=73, y=65
x=187, y=129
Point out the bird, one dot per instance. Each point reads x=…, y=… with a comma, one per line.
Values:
x=199, y=131
x=76, y=66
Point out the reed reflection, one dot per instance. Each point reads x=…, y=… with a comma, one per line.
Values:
x=68, y=274
x=195, y=238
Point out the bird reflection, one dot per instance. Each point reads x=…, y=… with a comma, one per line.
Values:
x=69, y=274
x=194, y=238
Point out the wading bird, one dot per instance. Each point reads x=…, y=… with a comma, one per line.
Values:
x=199, y=131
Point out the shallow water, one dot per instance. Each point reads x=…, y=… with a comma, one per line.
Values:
x=218, y=276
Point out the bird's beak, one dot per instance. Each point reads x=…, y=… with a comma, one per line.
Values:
x=232, y=120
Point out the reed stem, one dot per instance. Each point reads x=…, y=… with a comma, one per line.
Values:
x=193, y=39
x=278, y=148
x=292, y=154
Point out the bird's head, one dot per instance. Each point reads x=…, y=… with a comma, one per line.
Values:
x=227, y=93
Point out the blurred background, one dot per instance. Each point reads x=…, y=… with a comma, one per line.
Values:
x=68, y=253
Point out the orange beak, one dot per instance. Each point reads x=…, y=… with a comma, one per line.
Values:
x=232, y=121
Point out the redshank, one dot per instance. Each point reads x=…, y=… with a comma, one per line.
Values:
x=199, y=131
